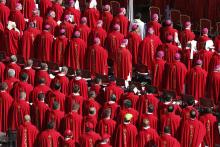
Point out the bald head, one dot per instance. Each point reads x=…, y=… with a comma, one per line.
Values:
x=11, y=73
x=75, y=107
x=13, y=58
x=3, y=86
x=22, y=95
x=27, y=118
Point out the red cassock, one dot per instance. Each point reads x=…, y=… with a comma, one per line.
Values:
x=38, y=114
x=10, y=82
x=113, y=42
x=11, y=38
x=123, y=63
x=174, y=77
x=57, y=96
x=31, y=74
x=173, y=121
x=2, y=70
x=53, y=24
x=157, y=73
x=28, y=43
x=89, y=119
x=166, y=31
x=17, y=17
x=112, y=88
x=6, y=101
x=163, y=108
x=147, y=50
x=82, y=83
x=44, y=5
x=2, y=37
x=122, y=113
x=42, y=74
x=44, y=46
x=169, y=51
x=68, y=27
x=125, y=135
x=70, y=100
x=129, y=96
x=68, y=143
x=205, y=56
x=145, y=100
x=26, y=135
x=89, y=139
x=209, y=121
x=213, y=86
x=202, y=41
x=114, y=108
x=76, y=13
x=38, y=89
x=64, y=82
x=134, y=41
x=147, y=137
x=90, y=103
x=11, y=4
x=59, y=47
x=168, y=141
x=38, y=20
x=193, y=133
x=186, y=58
x=97, y=60
x=84, y=32
x=156, y=26
x=4, y=14
x=14, y=66
x=58, y=9
x=24, y=86
x=196, y=82
x=19, y=109
x=186, y=113
x=185, y=36
x=123, y=22
x=49, y=137
x=93, y=16
x=106, y=126
x=97, y=32
x=75, y=54
x=55, y=116
x=73, y=121
x=152, y=119
x=107, y=20
x=215, y=60
x=28, y=7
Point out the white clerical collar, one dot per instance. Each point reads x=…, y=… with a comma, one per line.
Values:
x=145, y=128
x=188, y=28
x=61, y=74
x=149, y=113
x=76, y=94
x=67, y=138
x=103, y=142
x=78, y=78
x=126, y=123
x=167, y=103
x=27, y=67
x=168, y=134
x=111, y=102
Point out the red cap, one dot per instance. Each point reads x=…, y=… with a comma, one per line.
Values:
x=71, y=2
x=68, y=133
x=124, y=42
x=177, y=56
x=99, y=23
x=170, y=38
x=106, y=8
x=168, y=22
x=117, y=27
x=217, y=67
x=122, y=10
x=47, y=27
x=83, y=20
x=77, y=34
x=62, y=31
x=160, y=54
x=187, y=24
x=97, y=40
x=199, y=62
x=134, y=27
x=155, y=16
x=205, y=31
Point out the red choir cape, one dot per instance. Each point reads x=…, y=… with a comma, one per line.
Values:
x=2, y=70
x=185, y=36
x=89, y=119
x=17, y=112
x=26, y=135
x=11, y=38
x=73, y=122
x=174, y=77
x=193, y=132
x=152, y=119
x=213, y=86
x=6, y=102
x=28, y=7
x=205, y=56
x=93, y=15
x=90, y=103
x=49, y=137
x=89, y=139
x=10, y=82
x=24, y=86
x=196, y=82
x=38, y=89
x=157, y=73
x=202, y=41
x=166, y=31
x=125, y=135
x=122, y=113
x=123, y=64
x=57, y=96
x=2, y=37
x=112, y=88
x=113, y=42
x=42, y=74
x=186, y=58
x=147, y=137
x=167, y=140
x=106, y=126
x=134, y=41
x=123, y=22
x=97, y=60
x=44, y=5
x=209, y=121
x=70, y=100
x=4, y=14
x=76, y=13
x=68, y=27
x=59, y=47
x=82, y=83
x=75, y=54
x=38, y=114
x=129, y=96
x=147, y=50
x=156, y=26
x=68, y=143
x=97, y=32
x=17, y=17
x=14, y=66
x=31, y=74
x=215, y=60
x=84, y=32
x=55, y=116
x=64, y=82
x=53, y=24
x=107, y=20
x=38, y=20
x=114, y=109
x=186, y=113
x=44, y=46
x=11, y=4
x=28, y=43
x=58, y=9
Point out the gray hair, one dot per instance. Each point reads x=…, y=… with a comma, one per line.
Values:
x=11, y=73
